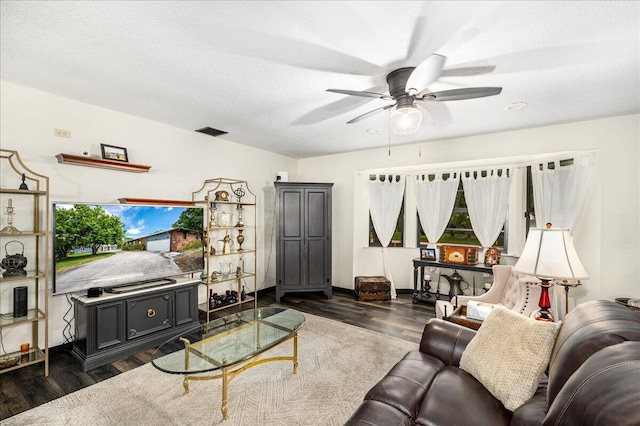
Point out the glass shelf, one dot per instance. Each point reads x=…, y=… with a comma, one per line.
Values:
x=32, y=315
x=31, y=274
x=218, y=228
x=21, y=191
x=234, y=252
x=204, y=307
x=24, y=234
x=230, y=278
x=34, y=356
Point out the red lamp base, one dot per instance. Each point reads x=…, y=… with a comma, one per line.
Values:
x=543, y=313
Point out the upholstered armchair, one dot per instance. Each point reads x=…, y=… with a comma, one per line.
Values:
x=515, y=291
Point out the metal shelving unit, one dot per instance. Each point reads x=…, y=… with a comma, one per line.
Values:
x=36, y=250
x=231, y=264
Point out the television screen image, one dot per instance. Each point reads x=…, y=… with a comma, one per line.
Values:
x=104, y=245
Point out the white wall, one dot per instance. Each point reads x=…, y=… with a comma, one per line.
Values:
x=180, y=161
x=607, y=235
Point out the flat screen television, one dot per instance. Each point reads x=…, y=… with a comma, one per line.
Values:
x=106, y=245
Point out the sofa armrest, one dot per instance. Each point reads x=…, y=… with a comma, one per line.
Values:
x=445, y=340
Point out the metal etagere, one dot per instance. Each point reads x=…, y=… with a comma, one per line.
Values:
x=24, y=203
x=230, y=237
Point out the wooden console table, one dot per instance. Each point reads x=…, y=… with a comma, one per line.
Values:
x=418, y=269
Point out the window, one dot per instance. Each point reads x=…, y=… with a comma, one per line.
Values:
x=530, y=216
x=398, y=235
x=458, y=229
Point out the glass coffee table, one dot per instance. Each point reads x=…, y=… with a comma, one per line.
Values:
x=229, y=345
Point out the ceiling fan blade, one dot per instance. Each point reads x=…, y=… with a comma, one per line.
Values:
x=358, y=93
x=367, y=114
x=467, y=71
x=425, y=74
x=460, y=94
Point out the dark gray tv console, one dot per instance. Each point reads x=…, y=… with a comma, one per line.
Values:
x=114, y=326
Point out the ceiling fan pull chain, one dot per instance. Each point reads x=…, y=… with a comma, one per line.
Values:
x=389, y=133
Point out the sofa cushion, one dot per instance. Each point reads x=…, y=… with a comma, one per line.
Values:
x=582, y=335
x=406, y=384
x=378, y=413
x=509, y=354
x=455, y=397
x=604, y=390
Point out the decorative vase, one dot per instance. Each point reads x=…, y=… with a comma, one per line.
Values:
x=240, y=239
x=225, y=269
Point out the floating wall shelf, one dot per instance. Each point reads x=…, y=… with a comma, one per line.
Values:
x=130, y=200
x=79, y=160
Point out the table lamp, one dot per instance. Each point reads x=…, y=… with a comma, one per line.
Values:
x=549, y=254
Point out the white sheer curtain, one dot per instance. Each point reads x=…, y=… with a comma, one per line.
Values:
x=385, y=194
x=435, y=200
x=487, y=195
x=559, y=192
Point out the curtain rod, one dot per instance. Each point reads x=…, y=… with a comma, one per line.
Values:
x=442, y=167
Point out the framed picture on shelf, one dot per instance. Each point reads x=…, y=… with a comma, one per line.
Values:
x=116, y=153
x=427, y=253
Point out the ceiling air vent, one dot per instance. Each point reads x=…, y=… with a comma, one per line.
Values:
x=211, y=131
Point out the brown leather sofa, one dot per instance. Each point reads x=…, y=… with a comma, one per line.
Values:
x=593, y=378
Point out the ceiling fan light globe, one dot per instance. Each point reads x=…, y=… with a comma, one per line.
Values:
x=406, y=120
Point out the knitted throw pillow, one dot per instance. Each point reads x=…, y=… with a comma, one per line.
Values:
x=508, y=355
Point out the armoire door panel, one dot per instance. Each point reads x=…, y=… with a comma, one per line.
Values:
x=292, y=214
x=316, y=261
x=291, y=262
x=316, y=213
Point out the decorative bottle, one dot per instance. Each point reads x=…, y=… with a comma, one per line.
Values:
x=212, y=300
x=243, y=294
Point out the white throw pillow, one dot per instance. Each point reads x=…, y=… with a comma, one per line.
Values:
x=508, y=355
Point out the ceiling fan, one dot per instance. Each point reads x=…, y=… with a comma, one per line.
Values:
x=408, y=86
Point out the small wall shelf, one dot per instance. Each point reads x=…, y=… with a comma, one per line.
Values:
x=155, y=201
x=79, y=160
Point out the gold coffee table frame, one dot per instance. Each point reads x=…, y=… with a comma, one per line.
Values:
x=230, y=346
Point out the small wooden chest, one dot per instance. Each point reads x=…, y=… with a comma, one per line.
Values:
x=373, y=288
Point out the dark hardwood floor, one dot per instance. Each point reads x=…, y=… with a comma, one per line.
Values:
x=26, y=388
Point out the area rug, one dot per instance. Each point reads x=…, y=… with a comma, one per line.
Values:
x=339, y=363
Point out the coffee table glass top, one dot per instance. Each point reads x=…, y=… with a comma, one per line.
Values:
x=226, y=341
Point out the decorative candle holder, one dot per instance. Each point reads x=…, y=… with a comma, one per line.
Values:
x=9, y=229
x=213, y=213
x=240, y=222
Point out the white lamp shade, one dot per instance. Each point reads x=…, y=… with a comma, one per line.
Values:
x=549, y=253
x=406, y=120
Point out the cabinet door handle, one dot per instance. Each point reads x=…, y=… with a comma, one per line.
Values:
x=151, y=313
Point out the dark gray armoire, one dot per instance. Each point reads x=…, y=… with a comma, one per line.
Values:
x=303, y=246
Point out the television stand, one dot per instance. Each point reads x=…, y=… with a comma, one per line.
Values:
x=116, y=325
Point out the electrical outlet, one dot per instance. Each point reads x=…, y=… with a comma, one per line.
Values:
x=62, y=133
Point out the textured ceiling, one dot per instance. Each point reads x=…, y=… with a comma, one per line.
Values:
x=259, y=70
